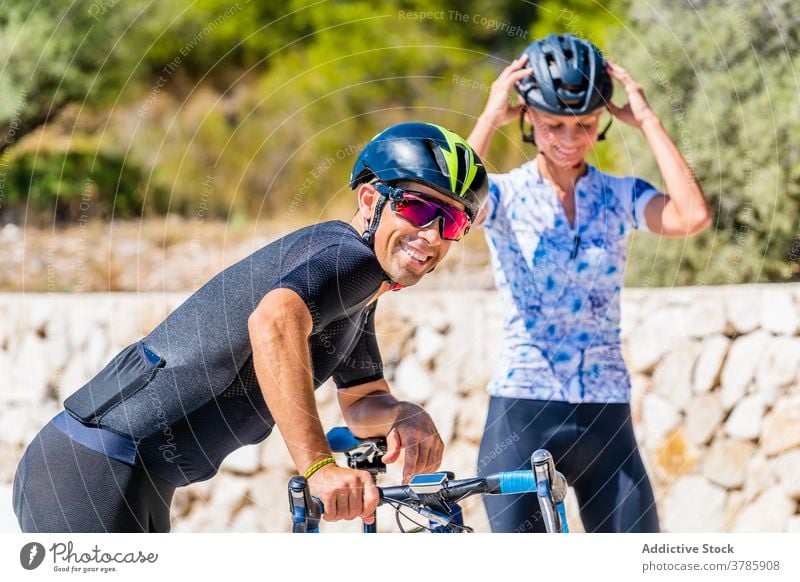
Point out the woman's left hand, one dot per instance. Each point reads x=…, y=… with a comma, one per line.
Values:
x=637, y=110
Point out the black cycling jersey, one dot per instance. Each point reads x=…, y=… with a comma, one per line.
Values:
x=187, y=394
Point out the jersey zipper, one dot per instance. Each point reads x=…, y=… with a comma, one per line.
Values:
x=576, y=237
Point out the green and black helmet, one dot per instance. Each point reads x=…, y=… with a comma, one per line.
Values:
x=428, y=154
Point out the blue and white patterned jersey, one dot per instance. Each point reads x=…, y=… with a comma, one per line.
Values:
x=560, y=285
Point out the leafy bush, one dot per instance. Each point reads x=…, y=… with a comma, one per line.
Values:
x=74, y=185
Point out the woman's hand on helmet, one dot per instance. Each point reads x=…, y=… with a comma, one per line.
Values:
x=637, y=110
x=498, y=110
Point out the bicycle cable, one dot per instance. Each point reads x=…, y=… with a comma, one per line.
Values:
x=398, y=512
x=397, y=505
x=420, y=527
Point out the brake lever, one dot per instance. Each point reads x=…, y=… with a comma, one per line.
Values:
x=306, y=510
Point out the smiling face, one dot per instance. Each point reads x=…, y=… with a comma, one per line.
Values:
x=563, y=139
x=406, y=253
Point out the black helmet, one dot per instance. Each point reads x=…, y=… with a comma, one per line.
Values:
x=428, y=154
x=569, y=76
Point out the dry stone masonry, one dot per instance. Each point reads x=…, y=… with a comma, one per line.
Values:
x=716, y=397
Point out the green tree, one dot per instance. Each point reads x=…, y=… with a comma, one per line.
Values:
x=723, y=76
x=57, y=53
x=284, y=139
x=233, y=108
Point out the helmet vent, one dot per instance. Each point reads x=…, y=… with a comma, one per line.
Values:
x=463, y=163
x=427, y=154
x=433, y=147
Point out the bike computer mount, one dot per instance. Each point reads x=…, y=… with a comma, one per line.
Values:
x=368, y=456
x=365, y=454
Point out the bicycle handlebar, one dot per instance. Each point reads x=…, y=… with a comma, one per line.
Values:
x=503, y=483
x=366, y=454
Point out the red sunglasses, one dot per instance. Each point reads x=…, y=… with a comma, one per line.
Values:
x=422, y=210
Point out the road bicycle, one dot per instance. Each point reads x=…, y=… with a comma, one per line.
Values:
x=433, y=497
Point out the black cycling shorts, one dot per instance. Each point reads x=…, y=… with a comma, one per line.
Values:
x=63, y=486
x=593, y=445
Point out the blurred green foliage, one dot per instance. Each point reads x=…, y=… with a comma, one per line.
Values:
x=57, y=53
x=245, y=110
x=723, y=76
x=68, y=184
x=300, y=95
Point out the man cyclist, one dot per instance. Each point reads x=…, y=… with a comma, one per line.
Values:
x=247, y=350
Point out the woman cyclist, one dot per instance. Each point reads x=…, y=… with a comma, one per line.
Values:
x=557, y=229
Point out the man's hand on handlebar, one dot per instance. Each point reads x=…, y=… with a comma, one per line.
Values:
x=345, y=493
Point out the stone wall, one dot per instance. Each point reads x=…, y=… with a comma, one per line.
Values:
x=716, y=399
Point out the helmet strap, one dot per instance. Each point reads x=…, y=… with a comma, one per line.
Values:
x=602, y=135
x=369, y=236
x=372, y=226
x=526, y=137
